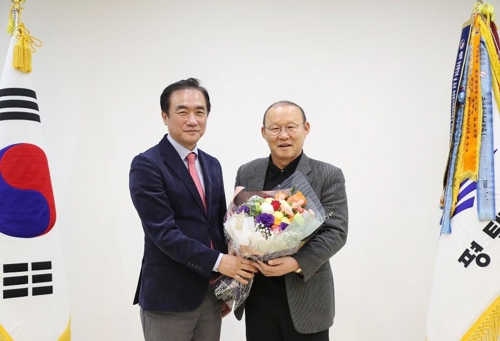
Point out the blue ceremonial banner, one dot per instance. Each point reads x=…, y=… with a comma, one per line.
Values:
x=486, y=177
x=459, y=68
x=455, y=142
x=458, y=86
x=465, y=296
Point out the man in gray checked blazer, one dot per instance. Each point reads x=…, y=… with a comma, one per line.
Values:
x=292, y=298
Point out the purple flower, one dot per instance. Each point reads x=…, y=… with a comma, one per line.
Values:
x=265, y=219
x=283, y=226
x=243, y=208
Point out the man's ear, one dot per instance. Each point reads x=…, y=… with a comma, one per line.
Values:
x=263, y=132
x=307, y=127
x=164, y=117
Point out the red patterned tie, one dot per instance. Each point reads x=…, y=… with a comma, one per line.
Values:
x=192, y=170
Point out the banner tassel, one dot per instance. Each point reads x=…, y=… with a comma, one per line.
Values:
x=24, y=49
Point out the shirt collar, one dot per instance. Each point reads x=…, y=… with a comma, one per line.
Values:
x=287, y=171
x=181, y=150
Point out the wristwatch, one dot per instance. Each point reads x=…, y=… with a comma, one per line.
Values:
x=298, y=271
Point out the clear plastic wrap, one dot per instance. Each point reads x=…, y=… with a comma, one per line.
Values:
x=268, y=224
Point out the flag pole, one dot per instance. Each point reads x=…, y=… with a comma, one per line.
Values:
x=16, y=7
x=15, y=13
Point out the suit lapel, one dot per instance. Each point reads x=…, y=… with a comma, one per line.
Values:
x=258, y=176
x=172, y=161
x=304, y=167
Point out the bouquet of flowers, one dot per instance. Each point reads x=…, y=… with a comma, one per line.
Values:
x=266, y=225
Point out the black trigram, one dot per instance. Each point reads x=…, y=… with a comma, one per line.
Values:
x=18, y=104
x=16, y=279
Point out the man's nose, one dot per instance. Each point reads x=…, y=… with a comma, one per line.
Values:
x=191, y=119
x=283, y=134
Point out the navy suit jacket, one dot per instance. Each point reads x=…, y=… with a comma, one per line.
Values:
x=178, y=259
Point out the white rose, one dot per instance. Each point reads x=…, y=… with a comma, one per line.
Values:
x=267, y=208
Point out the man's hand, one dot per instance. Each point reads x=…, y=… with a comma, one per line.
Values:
x=277, y=267
x=238, y=268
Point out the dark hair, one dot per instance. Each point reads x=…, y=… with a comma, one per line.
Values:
x=190, y=83
x=284, y=103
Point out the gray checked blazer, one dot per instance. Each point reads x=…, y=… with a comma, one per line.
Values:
x=310, y=296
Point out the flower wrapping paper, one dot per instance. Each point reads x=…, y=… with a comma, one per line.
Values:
x=265, y=225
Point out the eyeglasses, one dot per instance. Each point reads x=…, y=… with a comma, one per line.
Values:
x=290, y=128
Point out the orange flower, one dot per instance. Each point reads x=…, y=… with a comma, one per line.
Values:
x=299, y=198
x=280, y=196
x=297, y=207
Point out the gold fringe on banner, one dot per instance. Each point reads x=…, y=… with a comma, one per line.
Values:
x=487, y=326
x=66, y=336
x=471, y=137
x=4, y=336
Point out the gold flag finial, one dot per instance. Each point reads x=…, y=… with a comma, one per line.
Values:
x=14, y=15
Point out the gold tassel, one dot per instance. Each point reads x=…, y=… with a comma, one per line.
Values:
x=24, y=48
x=486, y=10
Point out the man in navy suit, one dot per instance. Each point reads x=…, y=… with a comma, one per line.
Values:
x=182, y=216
